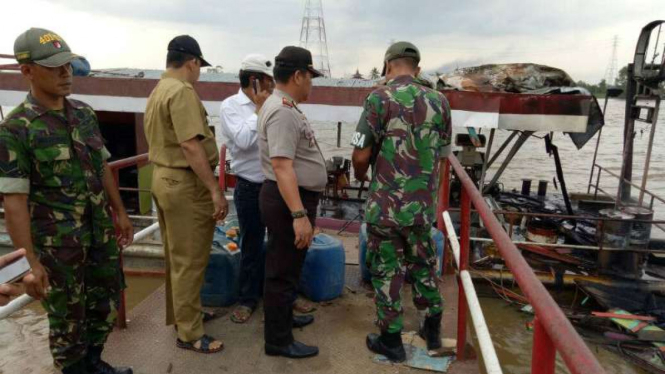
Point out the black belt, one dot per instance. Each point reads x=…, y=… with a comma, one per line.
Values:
x=241, y=179
x=302, y=190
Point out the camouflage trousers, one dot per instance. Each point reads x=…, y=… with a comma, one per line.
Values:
x=83, y=301
x=392, y=253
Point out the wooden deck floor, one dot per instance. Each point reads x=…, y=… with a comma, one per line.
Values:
x=339, y=331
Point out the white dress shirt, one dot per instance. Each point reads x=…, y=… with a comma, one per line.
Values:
x=239, y=128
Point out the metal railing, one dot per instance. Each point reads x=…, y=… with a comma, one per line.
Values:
x=115, y=167
x=552, y=331
x=490, y=360
x=643, y=191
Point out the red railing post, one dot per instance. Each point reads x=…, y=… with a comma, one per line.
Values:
x=121, y=321
x=222, y=169
x=115, y=167
x=462, y=307
x=544, y=353
x=443, y=205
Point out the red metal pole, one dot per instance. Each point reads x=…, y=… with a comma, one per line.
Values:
x=121, y=322
x=222, y=168
x=462, y=307
x=544, y=353
x=443, y=205
x=444, y=195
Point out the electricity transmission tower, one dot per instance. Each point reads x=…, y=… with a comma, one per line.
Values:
x=313, y=35
x=611, y=72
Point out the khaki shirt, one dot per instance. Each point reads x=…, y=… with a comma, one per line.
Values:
x=284, y=131
x=175, y=114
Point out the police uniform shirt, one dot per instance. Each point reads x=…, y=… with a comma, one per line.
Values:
x=284, y=131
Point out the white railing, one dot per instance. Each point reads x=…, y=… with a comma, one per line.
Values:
x=487, y=351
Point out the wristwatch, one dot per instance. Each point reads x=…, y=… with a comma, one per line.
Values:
x=299, y=213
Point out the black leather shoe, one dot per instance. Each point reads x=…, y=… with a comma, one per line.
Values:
x=387, y=344
x=293, y=350
x=431, y=332
x=95, y=365
x=302, y=321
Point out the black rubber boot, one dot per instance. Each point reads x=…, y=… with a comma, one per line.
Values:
x=77, y=368
x=431, y=331
x=387, y=344
x=95, y=364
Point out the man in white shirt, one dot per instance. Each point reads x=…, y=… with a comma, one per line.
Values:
x=239, y=119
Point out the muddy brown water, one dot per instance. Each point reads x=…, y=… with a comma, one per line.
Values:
x=24, y=335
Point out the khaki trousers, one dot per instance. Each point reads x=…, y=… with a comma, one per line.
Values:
x=185, y=211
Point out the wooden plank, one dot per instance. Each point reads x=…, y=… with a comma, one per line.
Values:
x=623, y=316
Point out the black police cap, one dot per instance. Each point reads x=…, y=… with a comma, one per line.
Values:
x=187, y=44
x=296, y=58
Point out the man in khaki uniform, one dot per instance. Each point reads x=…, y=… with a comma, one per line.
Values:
x=296, y=175
x=189, y=201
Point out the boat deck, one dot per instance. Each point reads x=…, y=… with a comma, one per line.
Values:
x=339, y=331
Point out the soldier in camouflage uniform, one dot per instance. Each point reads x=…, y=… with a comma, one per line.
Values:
x=58, y=194
x=403, y=133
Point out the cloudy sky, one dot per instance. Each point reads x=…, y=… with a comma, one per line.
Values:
x=574, y=35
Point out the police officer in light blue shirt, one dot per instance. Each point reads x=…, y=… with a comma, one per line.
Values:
x=238, y=116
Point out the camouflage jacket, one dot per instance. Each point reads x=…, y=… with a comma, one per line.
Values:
x=408, y=127
x=57, y=158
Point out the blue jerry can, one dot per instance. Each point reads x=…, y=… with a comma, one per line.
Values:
x=221, y=284
x=322, y=276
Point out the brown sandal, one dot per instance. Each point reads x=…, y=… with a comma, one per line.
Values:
x=241, y=314
x=303, y=306
x=203, y=345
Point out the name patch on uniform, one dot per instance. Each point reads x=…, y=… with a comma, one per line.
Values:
x=358, y=140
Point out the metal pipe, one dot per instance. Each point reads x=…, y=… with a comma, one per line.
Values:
x=14, y=306
x=573, y=350
x=572, y=246
x=129, y=161
x=647, y=162
x=146, y=232
x=595, y=152
x=502, y=148
x=485, y=161
x=632, y=184
x=524, y=136
x=222, y=168
x=595, y=194
x=623, y=192
x=444, y=204
x=339, y=134
x=487, y=351
x=463, y=264
x=543, y=354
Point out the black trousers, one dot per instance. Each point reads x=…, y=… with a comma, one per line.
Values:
x=283, y=261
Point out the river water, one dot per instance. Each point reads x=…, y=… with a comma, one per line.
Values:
x=23, y=337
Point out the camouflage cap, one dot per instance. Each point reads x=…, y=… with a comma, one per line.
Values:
x=43, y=47
x=399, y=50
